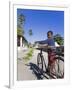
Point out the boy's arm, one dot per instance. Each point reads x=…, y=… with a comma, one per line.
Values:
x=42, y=42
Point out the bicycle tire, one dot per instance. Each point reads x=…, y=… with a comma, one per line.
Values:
x=39, y=61
x=44, y=64
x=59, y=73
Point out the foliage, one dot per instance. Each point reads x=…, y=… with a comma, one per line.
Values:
x=59, y=39
x=20, y=31
x=21, y=19
x=30, y=32
x=20, y=22
x=29, y=54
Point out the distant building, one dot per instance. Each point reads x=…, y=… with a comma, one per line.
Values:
x=21, y=41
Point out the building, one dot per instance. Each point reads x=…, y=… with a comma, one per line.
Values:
x=21, y=42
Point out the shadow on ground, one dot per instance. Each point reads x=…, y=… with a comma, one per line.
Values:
x=40, y=74
x=7, y=86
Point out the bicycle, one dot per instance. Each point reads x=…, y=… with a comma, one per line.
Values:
x=42, y=65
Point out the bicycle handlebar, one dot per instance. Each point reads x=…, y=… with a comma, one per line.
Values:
x=58, y=50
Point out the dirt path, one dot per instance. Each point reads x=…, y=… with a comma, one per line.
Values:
x=29, y=70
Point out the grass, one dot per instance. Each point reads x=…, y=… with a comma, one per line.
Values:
x=28, y=56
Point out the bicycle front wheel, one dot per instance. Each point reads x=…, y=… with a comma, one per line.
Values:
x=39, y=61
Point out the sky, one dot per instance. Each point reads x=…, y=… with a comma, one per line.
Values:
x=41, y=21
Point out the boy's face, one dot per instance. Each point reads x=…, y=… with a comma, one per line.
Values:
x=49, y=35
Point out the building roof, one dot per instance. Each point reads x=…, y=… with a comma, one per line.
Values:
x=25, y=40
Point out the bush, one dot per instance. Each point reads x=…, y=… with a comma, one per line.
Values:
x=29, y=54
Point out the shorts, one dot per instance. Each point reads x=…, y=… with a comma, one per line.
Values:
x=51, y=57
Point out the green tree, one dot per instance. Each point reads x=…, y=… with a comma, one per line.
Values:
x=59, y=39
x=20, y=22
x=30, y=32
x=20, y=31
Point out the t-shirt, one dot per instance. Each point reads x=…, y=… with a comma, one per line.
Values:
x=50, y=42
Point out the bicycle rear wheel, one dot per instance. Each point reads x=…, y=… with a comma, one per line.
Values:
x=59, y=67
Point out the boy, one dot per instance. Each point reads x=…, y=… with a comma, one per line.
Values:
x=51, y=52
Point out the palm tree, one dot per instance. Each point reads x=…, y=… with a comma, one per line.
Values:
x=21, y=19
x=30, y=32
x=20, y=22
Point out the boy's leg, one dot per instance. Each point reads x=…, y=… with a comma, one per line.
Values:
x=51, y=62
